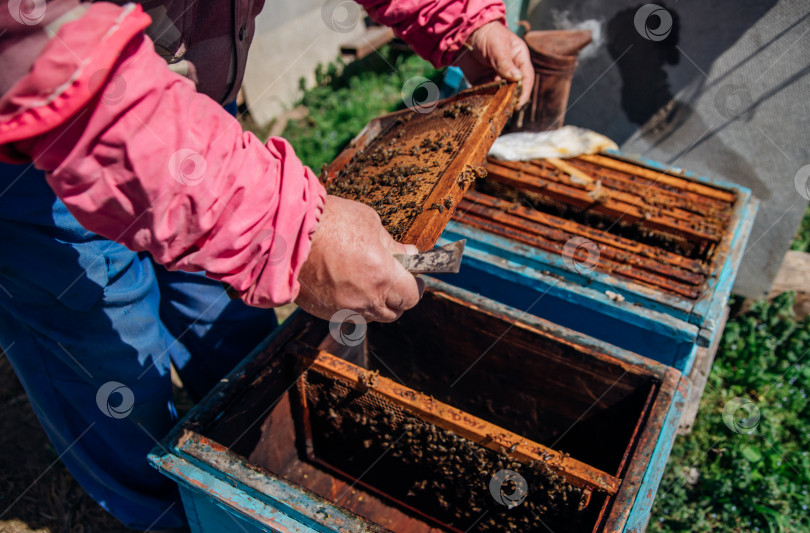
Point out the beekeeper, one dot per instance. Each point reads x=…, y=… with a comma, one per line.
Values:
x=123, y=181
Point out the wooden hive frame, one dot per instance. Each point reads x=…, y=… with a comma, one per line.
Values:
x=492, y=105
x=692, y=215
x=459, y=422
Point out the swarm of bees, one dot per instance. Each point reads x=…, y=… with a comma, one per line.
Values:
x=458, y=108
x=470, y=174
x=448, y=475
x=396, y=173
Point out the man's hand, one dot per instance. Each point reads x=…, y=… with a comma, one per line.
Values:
x=497, y=53
x=351, y=266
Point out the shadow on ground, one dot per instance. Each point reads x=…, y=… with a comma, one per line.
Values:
x=37, y=493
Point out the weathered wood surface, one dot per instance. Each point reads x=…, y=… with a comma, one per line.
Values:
x=698, y=377
x=794, y=275
x=362, y=45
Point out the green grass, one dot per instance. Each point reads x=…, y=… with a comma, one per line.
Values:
x=802, y=241
x=345, y=99
x=758, y=481
x=747, y=482
x=716, y=479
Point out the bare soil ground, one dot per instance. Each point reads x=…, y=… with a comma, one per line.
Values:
x=37, y=493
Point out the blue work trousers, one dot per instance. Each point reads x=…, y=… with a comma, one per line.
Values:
x=90, y=328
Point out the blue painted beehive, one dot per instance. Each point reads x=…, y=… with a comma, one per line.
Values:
x=597, y=420
x=567, y=277
x=627, y=250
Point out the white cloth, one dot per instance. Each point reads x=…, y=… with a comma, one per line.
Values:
x=568, y=141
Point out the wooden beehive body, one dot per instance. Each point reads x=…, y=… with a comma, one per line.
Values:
x=240, y=457
x=669, y=246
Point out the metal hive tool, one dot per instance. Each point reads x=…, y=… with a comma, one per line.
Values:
x=413, y=166
x=349, y=416
x=654, y=229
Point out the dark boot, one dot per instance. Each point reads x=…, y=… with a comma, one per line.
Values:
x=554, y=57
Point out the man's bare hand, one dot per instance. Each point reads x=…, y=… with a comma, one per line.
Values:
x=497, y=53
x=351, y=266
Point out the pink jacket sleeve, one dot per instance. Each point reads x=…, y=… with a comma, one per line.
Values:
x=435, y=29
x=152, y=164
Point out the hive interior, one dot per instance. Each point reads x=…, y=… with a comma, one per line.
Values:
x=558, y=394
x=439, y=474
x=652, y=228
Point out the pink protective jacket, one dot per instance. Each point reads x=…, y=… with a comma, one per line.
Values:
x=141, y=157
